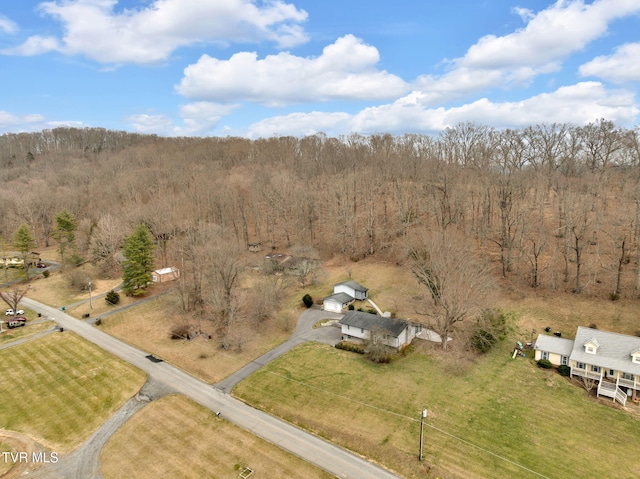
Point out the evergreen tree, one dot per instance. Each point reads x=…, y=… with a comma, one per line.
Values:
x=24, y=242
x=138, y=250
x=65, y=231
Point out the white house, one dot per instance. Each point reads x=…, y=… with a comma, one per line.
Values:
x=611, y=359
x=360, y=326
x=353, y=289
x=165, y=275
x=336, y=302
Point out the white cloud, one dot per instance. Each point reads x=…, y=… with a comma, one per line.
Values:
x=538, y=48
x=35, y=45
x=621, y=67
x=577, y=104
x=300, y=124
x=152, y=124
x=10, y=120
x=346, y=70
x=200, y=118
x=149, y=35
x=7, y=25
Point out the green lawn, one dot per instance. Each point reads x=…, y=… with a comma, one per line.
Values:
x=496, y=418
x=60, y=388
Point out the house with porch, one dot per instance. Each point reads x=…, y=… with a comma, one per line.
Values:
x=611, y=359
x=396, y=333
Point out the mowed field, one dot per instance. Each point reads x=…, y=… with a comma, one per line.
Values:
x=495, y=417
x=60, y=388
x=175, y=437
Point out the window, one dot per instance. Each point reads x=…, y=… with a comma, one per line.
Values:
x=591, y=350
x=362, y=330
x=595, y=369
x=564, y=360
x=612, y=372
x=627, y=376
x=581, y=366
x=545, y=355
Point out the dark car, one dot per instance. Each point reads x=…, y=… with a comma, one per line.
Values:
x=16, y=322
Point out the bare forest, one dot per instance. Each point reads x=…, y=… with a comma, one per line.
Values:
x=552, y=206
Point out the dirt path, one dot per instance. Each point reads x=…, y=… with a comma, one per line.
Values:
x=84, y=462
x=20, y=443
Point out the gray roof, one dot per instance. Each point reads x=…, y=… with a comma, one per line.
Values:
x=370, y=322
x=553, y=344
x=614, y=351
x=342, y=298
x=353, y=285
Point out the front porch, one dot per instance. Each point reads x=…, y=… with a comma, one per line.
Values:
x=609, y=389
x=575, y=371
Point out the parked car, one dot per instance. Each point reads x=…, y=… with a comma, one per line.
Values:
x=16, y=322
x=10, y=312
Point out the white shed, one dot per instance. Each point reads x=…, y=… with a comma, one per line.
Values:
x=353, y=289
x=165, y=275
x=336, y=302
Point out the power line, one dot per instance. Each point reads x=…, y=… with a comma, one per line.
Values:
x=453, y=436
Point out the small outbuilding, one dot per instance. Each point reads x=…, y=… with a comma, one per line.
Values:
x=353, y=289
x=336, y=302
x=165, y=275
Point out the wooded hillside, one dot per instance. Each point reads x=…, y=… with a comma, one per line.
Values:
x=552, y=206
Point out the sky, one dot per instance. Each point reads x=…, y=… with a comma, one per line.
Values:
x=263, y=68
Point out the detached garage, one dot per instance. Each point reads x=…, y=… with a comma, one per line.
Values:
x=353, y=289
x=336, y=302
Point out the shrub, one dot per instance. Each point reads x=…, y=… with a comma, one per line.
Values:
x=112, y=297
x=307, y=300
x=351, y=307
x=180, y=331
x=46, y=273
x=349, y=346
x=545, y=364
x=564, y=370
x=491, y=327
x=615, y=296
x=378, y=353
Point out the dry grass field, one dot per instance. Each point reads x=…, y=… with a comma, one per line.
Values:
x=491, y=417
x=60, y=388
x=175, y=437
x=148, y=327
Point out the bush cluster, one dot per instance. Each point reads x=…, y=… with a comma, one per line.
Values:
x=307, y=300
x=349, y=346
x=564, y=370
x=112, y=297
x=545, y=364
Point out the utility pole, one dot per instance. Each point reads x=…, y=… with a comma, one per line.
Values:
x=90, y=302
x=422, y=418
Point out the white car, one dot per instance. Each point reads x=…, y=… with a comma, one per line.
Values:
x=9, y=312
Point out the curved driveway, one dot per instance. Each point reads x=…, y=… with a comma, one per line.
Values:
x=311, y=448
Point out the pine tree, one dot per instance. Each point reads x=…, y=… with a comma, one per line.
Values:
x=139, y=253
x=65, y=231
x=24, y=242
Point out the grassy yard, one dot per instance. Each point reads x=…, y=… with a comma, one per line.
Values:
x=175, y=437
x=28, y=330
x=61, y=388
x=5, y=465
x=148, y=327
x=497, y=417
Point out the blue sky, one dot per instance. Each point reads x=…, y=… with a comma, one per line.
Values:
x=263, y=68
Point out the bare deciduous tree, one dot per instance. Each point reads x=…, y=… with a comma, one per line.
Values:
x=456, y=282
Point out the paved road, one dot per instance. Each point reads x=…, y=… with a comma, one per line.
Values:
x=325, y=455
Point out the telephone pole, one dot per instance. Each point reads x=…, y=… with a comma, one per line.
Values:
x=422, y=418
